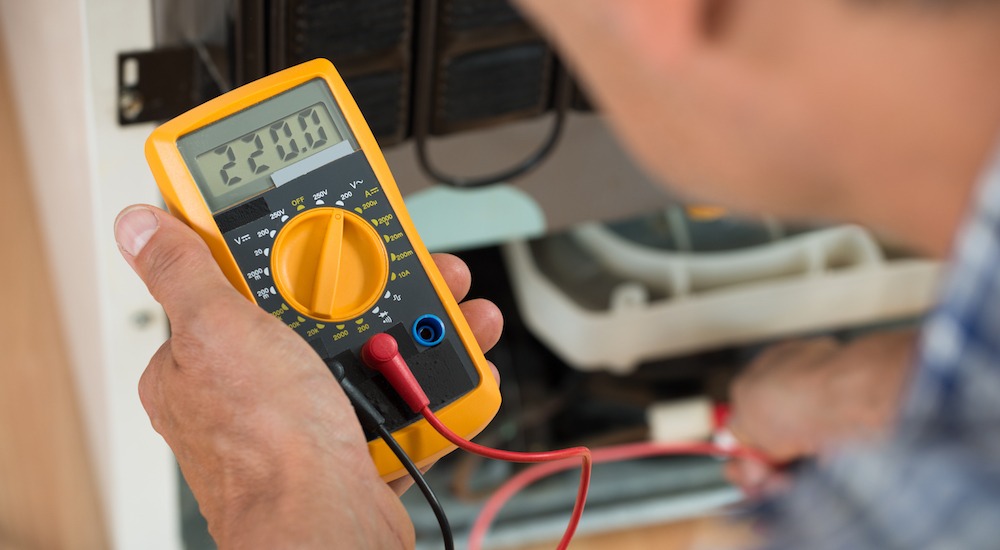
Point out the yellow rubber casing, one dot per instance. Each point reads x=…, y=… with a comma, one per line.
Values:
x=467, y=415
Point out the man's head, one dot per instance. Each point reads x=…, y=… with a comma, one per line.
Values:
x=877, y=111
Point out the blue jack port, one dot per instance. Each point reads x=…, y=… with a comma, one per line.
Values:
x=428, y=330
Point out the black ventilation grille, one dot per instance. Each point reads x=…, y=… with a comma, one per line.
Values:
x=379, y=97
x=341, y=30
x=492, y=83
x=490, y=67
x=466, y=15
x=370, y=42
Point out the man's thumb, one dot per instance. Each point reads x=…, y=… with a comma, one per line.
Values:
x=171, y=259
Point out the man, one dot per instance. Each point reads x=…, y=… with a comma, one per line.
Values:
x=883, y=112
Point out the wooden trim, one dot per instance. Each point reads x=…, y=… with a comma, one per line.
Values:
x=48, y=494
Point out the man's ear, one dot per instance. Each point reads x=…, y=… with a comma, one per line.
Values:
x=669, y=31
x=717, y=15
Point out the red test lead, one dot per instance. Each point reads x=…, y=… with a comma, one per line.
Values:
x=381, y=353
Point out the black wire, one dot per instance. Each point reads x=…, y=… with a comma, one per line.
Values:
x=373, y=420
x=424, y=83
x=421, y=483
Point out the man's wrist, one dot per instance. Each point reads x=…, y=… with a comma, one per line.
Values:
x=309, y=502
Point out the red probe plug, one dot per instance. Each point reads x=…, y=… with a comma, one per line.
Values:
x=381, y=353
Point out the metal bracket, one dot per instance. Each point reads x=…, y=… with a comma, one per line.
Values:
x=163, y=83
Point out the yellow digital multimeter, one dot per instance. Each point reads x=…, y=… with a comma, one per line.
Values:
x=285, y=182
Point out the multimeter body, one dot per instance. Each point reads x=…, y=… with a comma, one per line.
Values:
x=285, y=182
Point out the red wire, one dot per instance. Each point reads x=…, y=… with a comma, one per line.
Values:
x=526, y=477
x=381, y=353
x=562, y=457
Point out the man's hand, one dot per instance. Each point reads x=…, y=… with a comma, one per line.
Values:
x=798, y=398
x=263, y=434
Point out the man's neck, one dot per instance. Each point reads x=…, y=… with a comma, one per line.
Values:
x=927, y=188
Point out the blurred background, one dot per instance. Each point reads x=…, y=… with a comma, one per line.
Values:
x=628, y=311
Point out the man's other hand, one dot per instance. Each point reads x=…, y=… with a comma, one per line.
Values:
x=802, y=397
x=263, y=434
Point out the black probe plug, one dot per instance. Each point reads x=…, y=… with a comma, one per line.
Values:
x=374, y=421
x=370, y=416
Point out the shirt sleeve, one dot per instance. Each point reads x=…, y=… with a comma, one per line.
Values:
x=936, y=491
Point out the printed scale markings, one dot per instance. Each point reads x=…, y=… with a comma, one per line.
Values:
x=319, y=199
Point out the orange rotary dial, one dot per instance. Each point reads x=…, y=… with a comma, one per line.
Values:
x=330, y=264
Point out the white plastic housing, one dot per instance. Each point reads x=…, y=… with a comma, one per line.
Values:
x=826, y=279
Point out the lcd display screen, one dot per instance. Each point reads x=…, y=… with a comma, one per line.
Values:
x=235, y=158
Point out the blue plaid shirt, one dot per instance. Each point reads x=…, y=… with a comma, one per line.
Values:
x=935, y=484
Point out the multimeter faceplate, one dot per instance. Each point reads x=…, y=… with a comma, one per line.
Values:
x=284, y=181
x=276, y=256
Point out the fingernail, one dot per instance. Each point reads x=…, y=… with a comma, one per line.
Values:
x=134, y=227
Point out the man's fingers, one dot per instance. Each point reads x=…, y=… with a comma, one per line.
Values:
x=748, y=479
x=455, y=273
x=756, y=480
x=494, y=370
x=485, y=320
x=403, y=484
x=773, y=442
x=483, y=316
x=171, y=259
